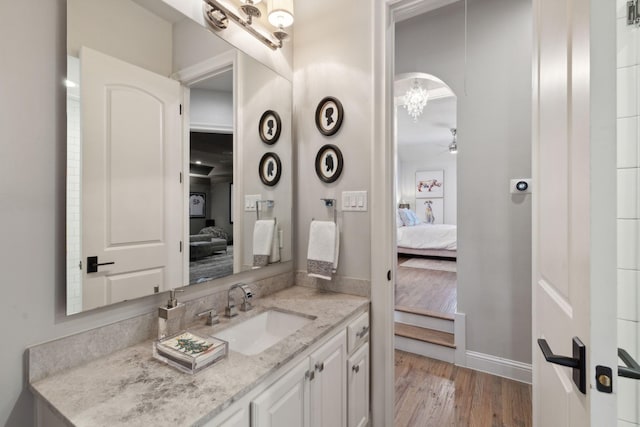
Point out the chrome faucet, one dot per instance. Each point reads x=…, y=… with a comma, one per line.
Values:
x=231, y=309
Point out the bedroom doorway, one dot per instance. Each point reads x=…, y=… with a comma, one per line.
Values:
x=426, y=218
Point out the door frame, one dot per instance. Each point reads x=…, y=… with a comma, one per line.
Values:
x=383, y=169
x=187, y=77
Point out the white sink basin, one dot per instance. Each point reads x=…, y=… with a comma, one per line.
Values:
x=254, y=335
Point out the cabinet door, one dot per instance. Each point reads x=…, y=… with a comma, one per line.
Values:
x=358, y=387
x=328, y=388
x=285, y=403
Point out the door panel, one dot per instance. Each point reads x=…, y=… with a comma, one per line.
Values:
x=131, y=190
x=574, y=223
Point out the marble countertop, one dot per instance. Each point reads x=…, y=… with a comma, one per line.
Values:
x=130, y=387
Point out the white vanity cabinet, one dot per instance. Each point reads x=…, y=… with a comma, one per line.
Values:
x=358, y=387
x=358, y=371
x=329, y=385
x=313, y=394
x=285, y=402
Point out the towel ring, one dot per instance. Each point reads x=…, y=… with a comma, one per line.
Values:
x=331, y=203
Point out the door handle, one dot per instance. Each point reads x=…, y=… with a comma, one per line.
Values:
x=92, y=264
x=578, y=362
x=632, y=368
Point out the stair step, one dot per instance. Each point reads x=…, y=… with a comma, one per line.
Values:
x=423, y=312
x=425, y=334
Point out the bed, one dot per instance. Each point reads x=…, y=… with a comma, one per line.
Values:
x=428, y=240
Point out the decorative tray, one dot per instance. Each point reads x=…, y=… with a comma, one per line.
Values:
x=189, y=352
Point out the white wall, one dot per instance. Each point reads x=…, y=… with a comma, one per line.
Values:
x=332, y=56
x=494, y=139
x=211, y=110
x=628, y=39
x=428, y=157
x=192, y=44
x=122, y=29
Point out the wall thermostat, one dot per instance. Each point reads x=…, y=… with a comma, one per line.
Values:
x=521, y=185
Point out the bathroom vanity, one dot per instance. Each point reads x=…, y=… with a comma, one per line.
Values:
x=317, y=376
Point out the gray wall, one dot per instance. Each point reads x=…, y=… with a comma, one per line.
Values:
x=494, y=140
x=333, y=56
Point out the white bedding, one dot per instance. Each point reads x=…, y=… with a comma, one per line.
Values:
x=428, y=236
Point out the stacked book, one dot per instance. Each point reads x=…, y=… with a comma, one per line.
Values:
x=190, y=352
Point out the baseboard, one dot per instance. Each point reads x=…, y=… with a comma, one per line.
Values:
x=499, y=366
x=460, y=339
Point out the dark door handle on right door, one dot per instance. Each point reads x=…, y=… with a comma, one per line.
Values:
x=632, y=369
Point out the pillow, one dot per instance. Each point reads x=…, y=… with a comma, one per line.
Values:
x=414, y=217
x=408, y=217
x=399, y=222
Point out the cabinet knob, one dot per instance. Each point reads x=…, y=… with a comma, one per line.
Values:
x=320, y=367
x=356, y=368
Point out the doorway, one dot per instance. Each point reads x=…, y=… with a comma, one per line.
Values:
x=426, y=218
x=210, y=182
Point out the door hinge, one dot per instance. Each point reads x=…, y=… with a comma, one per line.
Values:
x=180, y=109
x=180, y=246
x=633, y=17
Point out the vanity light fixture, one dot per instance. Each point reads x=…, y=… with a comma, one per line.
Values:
x=280, y=16
x=453, y=147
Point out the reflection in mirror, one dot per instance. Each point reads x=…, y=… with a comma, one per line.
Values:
x=135, y=224
x=210, y=178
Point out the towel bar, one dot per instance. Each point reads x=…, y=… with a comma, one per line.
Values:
x=269, y=203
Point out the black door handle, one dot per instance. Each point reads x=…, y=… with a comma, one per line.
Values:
x=632, y=369
x=578, y=362
x=92, y=264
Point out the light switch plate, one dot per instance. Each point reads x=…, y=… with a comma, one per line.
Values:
x=354, y=201
x=250, y=202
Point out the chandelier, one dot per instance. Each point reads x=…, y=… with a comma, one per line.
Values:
x=415, y=100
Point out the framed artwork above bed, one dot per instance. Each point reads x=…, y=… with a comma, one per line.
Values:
x=430, y=211
x=429, y=184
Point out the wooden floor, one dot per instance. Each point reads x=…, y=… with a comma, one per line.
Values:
x=430, y=290
x=430, y=393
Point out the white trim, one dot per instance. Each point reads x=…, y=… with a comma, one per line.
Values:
x=210, y=128
x=460, y=338
x=208, y=68
x=499, y=366
x=410, y=8
x=382, y=172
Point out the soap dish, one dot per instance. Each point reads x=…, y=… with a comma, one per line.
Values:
x=190, y=352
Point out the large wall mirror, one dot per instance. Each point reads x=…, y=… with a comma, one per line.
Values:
x=163, y=152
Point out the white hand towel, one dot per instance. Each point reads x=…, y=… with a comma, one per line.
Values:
x=262, y=241
x=323, y=251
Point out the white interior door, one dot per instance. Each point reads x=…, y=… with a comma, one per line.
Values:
x=131, y=190
x=574, y=292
